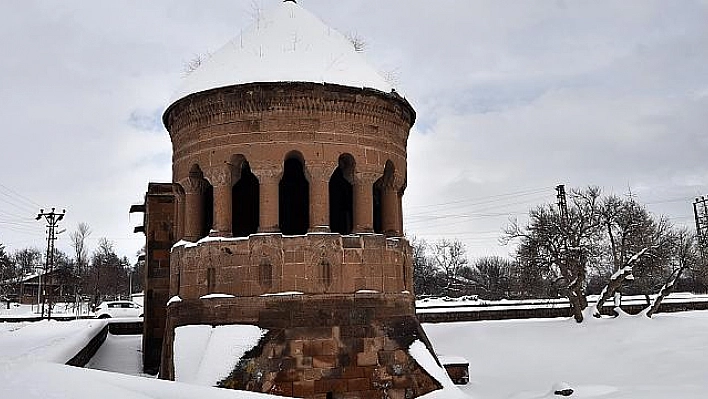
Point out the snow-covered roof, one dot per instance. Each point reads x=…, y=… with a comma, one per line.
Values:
x=284, y=44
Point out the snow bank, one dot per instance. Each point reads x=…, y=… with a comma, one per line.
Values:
x=425, y=359
x=44, y=380
x=48, y=341
x=204, y=355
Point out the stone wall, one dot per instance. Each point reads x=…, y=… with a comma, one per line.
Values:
x=312, y=264
x=159, y=231
x=214, y=133
x=347, y=346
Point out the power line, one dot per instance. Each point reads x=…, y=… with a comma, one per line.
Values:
x=482, y=200
x=20, y=195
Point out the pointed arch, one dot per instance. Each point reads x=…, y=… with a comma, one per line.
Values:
x=245, y=203
x=294, y=196
x=341, y=196
x=203, y=196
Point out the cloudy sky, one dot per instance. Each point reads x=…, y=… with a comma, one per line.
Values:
x=512, y=97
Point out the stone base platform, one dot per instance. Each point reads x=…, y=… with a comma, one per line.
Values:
x=323, y=346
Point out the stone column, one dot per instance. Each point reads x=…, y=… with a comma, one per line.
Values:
x=193, y=208
x=220, y=179
x=268, y=188
x=319, y=198
x=179, y=211
x=399, y=219
x=389, y=211
x=364, y=202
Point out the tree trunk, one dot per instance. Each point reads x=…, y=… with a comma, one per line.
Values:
x=665, y=291
x=617, y=280
x=608, y=292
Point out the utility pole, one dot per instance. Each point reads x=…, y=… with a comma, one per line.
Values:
x=563, y=210
x=562, y=202
x=52, y=219
x=700, y=212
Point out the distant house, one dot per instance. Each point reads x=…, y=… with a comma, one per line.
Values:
x=57, y=283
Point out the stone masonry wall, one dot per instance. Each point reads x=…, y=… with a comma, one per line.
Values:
x=265, y=121
x=312, y=264
x=345, y=346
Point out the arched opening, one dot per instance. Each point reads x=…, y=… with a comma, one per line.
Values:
x=378, y=193
x=294, y=197
x=383, y=183
x=205, y=207
x=245, y=203
x=341, y=196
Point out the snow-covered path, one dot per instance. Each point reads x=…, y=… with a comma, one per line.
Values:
x=119, y=354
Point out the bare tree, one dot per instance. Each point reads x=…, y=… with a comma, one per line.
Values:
x=425, y=276
x=450, y=258
x=491, y=277
x=561, y=247
x=685, y=257
x=357, y=41
x=78, y=242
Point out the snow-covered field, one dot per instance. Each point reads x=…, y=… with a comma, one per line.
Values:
x=630, y=357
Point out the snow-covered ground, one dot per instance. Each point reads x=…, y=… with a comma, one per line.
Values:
x=630, y=357
x=59, y=309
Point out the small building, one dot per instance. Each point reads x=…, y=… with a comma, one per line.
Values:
x=56, y=283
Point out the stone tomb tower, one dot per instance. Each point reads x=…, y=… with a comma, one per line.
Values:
x=289, y=169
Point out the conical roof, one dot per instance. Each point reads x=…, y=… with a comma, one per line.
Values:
x=286, y=44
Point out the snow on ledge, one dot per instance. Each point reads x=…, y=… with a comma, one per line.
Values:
x=367, y=292
x=214, y=296
x=174, y=299
x=283, y=293
x=184, y=243
x=444, y=359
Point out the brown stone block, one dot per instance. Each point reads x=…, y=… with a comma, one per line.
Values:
x=309, y=348
x=323, y=361
x=371, y=394
x=330, y=385
x=402, y=382
x=310, y=374
x=282, y=389
x=305, y=362
x=329, y=347
x=359, y=283
x=352, y=372
x=400, y=356
x=295, y=347
x=304, y=388
x=386, y=358
x=358, y=384
x=396, y=393
x=353, y=256
x=367, y=359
